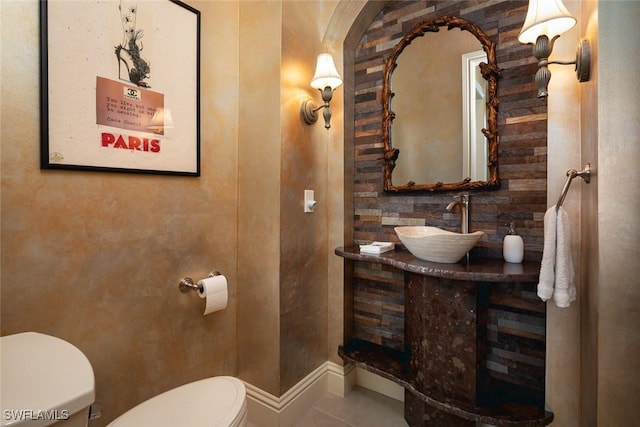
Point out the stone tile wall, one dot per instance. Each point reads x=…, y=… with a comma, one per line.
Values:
x=517, y=317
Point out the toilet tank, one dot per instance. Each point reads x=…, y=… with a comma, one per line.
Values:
x=44, y=380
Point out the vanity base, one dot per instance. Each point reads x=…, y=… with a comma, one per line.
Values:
x=443, y=365
x=509, y=408
x=445, y=322
x=419, y=414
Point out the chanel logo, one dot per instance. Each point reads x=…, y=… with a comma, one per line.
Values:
x=132, y=93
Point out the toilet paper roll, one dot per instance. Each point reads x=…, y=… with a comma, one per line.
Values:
x=214, y=289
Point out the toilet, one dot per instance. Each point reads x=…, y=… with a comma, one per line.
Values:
x=44, y=381
x=48, y=381
x=216, y=401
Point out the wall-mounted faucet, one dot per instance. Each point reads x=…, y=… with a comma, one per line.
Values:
x=461, y=200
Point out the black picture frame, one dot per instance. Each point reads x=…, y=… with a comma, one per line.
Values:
x=120, y=86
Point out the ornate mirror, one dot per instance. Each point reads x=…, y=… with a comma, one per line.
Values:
x=441, y=108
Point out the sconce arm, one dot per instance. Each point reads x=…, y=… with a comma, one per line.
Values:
x=561, y=62
x=542, y=50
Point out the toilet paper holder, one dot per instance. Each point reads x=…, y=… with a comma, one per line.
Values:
x=187, y=284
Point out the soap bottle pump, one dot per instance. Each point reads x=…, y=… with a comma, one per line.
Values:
x=513, y=246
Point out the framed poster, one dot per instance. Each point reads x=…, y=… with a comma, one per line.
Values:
x=120, y=86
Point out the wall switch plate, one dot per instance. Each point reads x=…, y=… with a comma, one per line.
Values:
x=309, y=202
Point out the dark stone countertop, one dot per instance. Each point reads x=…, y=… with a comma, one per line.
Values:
x=478, y=269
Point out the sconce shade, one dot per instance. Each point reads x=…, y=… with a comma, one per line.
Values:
x=326, y=73
x=545, y=17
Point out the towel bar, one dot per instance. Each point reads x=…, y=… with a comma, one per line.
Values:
x=585, y=174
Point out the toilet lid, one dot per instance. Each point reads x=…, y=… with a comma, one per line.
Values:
x=217, y=401
x=42, y=378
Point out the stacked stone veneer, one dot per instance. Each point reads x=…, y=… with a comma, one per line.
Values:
x=517, y=329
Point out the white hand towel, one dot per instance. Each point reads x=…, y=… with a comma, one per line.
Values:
x=556, y=271
x=547, y=269
x=565, y=289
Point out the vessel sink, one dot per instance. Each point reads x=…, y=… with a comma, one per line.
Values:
x=435, y=244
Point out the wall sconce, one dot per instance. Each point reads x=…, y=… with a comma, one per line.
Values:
x=546, y=20
x=161, y=120
x=326, y=80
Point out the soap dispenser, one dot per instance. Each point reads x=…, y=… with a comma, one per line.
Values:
x=513, y=246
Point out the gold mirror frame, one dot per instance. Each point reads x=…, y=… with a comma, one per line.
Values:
x=489, y=71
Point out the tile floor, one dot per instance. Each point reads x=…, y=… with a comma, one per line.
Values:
x=360, y=408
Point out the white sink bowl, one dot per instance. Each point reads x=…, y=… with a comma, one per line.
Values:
x=435, y=244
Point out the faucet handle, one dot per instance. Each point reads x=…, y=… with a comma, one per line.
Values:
x=463, y=197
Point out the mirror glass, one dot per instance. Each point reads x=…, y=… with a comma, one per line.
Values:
x=438, y=134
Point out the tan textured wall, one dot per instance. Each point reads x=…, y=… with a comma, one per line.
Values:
x=95, y=258
x=589, y=245
x=257, y=158
x=563, y=153
x=618, y=209
x=603, y=322
x=283, y=263
x=259, y=147
x=303, y=165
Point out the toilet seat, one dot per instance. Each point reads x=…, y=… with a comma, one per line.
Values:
x=217, y=401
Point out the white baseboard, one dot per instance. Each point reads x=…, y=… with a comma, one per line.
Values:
x=267, y=410
x=371, y=381
x=341, y=379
